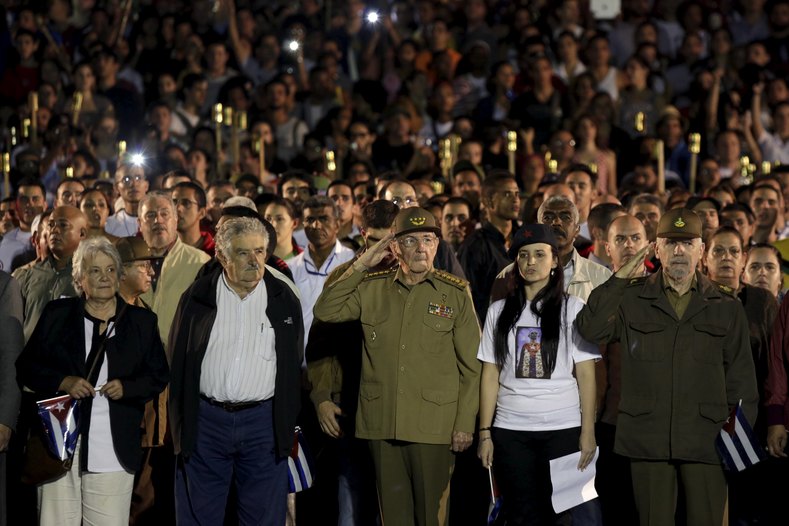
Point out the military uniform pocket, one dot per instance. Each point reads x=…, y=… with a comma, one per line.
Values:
x=637, y=405
x=435, y=329
x=371, y=405
x=708, y=343
x=438, y=411
x=646, y=343
x=717, y=413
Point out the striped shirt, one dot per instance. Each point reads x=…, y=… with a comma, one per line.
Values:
x=240, y=362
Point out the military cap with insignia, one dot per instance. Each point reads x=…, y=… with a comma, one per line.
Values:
x=529, y=235
x=679, y=223
x=410, y=220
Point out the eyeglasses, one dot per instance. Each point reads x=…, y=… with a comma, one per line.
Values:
x=186, y=203
x=719, y=252
x=164, y=213
x=400, y=201
x=560, y=144
x=411, y=241
x=128, y=180
x=144, y=266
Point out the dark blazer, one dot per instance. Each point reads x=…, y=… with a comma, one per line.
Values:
x=134, y=355
x=187, y=344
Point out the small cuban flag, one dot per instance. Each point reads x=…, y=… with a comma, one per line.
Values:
x=495, y=500
x=300, y=464
x=60, y=417
x=736, y=443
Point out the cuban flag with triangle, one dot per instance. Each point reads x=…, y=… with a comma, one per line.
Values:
x=59, y=417
x=736, y=443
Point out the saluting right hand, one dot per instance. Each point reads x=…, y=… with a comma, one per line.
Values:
x=77, y=387
x=375, y=254
x=635, y=267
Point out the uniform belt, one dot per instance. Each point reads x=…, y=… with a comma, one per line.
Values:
x=231, y=407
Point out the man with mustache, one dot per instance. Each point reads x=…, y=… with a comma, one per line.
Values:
x=51, y=278
x=334, y=367
x=688, y=363
x=419, y=386
x=324, y=252
x=174, y=270
x=237, y=343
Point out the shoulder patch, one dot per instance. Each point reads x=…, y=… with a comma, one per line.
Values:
x=380, y=274
x=636, y=281
x=446, y=277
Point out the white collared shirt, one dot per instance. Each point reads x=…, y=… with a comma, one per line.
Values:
x=240, y=362
x=309, y=279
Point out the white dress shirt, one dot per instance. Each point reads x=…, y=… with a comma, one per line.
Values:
x=309, y=279
x=240, y=362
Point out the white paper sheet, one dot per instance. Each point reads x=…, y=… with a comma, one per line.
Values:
x=572, y=487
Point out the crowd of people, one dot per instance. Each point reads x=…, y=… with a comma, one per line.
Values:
x=439, y=237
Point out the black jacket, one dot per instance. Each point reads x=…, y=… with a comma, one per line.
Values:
x=188, y=341
x=483, y=255
x=135, y=355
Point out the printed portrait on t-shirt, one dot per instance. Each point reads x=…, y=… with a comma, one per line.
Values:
x=529, y=344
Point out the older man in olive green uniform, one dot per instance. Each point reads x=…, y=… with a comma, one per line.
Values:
x=686, y=361
x=419, y=389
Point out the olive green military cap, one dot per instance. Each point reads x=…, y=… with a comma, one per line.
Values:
x=679, y=223
x=415, y=219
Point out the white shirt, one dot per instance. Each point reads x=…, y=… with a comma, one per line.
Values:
x=309, y=279
x=14, y=243
x=773, y=148
x=240, y=362
x=101, y=449
x=527, y=400
x=121, y=224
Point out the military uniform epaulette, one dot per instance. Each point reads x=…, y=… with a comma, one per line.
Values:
x=636, y=281
x=446, y=277
x=727, y=290
x=380, y=274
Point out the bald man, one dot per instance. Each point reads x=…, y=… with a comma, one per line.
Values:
x=626, y=236
x=51, y=278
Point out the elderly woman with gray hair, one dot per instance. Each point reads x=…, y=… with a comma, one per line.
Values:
x=131, y=370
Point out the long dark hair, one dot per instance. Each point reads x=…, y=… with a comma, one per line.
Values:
x=546, y=307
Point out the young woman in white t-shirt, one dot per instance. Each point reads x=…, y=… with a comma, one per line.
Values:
x=529, y=349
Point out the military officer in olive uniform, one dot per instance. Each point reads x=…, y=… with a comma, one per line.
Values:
x=419, y=388
x=686, y=361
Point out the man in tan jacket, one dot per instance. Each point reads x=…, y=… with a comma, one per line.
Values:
x=174, y=270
